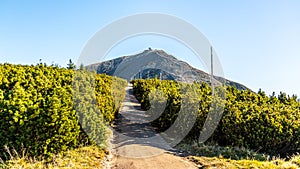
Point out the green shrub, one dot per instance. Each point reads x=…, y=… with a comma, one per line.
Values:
x=261, y=123
x=40, y=109
x=252, y=120
x=37, y=109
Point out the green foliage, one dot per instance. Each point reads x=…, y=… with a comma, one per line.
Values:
x=71, y=65
x=40, y=109
x=259, y=122
x=252, y=120
x=110, y=93
x=97, y=100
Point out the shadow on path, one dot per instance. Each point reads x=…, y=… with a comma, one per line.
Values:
x=133, y=129
x=136, y=145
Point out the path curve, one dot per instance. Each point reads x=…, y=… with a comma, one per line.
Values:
x=135, y=143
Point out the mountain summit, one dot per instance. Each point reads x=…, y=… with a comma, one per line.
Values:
x=156, y=64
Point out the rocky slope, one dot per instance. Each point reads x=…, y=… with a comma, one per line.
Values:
x=156, y=64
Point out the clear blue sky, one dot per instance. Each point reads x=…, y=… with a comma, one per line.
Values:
x=258, y=42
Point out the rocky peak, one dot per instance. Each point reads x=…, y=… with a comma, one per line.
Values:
x=154, y=63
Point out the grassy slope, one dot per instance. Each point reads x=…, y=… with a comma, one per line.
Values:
x=89, y=157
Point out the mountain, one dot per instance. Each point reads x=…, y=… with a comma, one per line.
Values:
x=156, y=64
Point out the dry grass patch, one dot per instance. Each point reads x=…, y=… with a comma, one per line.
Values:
x=89, y=157
x=214, y=162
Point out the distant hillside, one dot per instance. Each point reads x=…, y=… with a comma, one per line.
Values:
x=156, y=63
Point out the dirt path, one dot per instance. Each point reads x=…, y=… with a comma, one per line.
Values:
x=136, y=145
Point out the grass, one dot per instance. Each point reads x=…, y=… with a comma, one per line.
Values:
x=205, y=156
x=213, y=156
x=89, y=157
x=213, y=150
x=214, y=162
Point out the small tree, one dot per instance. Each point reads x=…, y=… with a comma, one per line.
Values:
x=71, y=65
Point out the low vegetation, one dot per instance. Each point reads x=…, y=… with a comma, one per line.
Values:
x=88, y=157
x=49, y=110
x=214, y=162
x=254, y=131
x=210, y=155
x=264, y=124
x=55, y=117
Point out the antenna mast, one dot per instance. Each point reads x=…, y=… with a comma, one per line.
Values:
x=212, y=71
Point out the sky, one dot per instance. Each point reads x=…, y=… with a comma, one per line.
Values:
x=257, y=42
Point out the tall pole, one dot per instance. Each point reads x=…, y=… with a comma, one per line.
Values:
x=212, y=71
